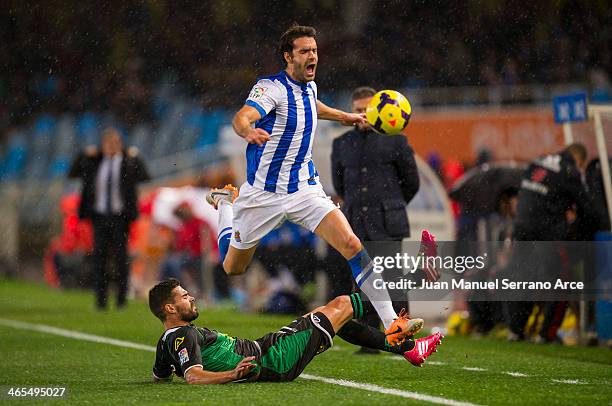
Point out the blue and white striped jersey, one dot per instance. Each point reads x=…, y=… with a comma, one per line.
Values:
x=289, y=114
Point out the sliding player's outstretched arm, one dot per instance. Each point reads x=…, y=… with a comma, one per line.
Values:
x=325, y=112
x=200, y=376
x=243, y=125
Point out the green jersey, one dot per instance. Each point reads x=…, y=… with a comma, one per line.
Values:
x=279, y=356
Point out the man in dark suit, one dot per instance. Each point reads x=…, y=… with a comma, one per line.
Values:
x=376, y=177
x=109, y=198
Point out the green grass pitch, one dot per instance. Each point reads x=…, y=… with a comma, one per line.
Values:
x=477, y=371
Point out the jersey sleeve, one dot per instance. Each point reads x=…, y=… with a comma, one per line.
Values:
x=187, y=350
x=265, y=96
x=162, y=369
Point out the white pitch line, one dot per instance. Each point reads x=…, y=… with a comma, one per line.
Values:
x=475, y=369
x=569, y=381
x=387, y=391
x=518, y=374
x=75, y=334
x=127, y=344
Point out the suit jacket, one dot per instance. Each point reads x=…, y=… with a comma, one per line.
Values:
x=376, y=176
x=133, y=171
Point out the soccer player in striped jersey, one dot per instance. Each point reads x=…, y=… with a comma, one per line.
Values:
x=282, y=181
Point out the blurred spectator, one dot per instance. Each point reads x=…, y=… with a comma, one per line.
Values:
x=485, y=312
x=184, y=261
x=595, y=184
x=109, y=198
x=68, y=257
x=551, y=186
x=451, y=171
x=50, y=63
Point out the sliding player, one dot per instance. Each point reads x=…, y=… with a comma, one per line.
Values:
x=204, y=356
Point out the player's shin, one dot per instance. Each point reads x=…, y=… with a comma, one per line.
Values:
x=226, y=216
x=363, y=272
x=363, y=335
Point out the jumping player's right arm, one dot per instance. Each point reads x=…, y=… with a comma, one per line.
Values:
x=243, y=125
x=264, y=97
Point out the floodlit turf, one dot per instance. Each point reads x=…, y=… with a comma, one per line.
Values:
x=105, y=374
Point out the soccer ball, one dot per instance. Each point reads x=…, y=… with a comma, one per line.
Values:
x=388, y=112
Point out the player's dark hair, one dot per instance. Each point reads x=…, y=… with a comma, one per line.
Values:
x=294, y=32
x=577, y=149
x=362, y=92
x=160, y=295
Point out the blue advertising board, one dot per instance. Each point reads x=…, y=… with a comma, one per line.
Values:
x=571, y=107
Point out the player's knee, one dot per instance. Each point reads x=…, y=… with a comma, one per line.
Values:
x=232, y=269
x=352, y=245
x=341, y=302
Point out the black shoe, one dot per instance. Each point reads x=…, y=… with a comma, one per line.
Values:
x=367, y=351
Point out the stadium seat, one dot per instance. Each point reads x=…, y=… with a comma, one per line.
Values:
x=15, y=158
x=88, y=129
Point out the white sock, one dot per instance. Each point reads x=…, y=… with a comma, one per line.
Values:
x=224, y=224
x=362, y=268
x=226, y=216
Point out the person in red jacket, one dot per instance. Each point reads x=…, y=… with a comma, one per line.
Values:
x=184, y=261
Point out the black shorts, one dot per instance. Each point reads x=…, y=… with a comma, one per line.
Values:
x=285, y=354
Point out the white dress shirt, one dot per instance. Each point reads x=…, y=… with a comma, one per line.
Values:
x=107, y=163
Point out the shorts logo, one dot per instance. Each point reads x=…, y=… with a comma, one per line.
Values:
x=183, y=356
x=237, y=236
x=315, y=319
x=178, y=342
x=257, y=92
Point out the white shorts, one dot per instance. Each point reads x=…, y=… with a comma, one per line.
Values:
x=257, y=212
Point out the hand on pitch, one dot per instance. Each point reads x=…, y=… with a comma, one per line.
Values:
x=354, y=119
x=244, y=367
x=257, y=136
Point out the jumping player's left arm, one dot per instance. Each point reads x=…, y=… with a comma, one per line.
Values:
x=325, y=112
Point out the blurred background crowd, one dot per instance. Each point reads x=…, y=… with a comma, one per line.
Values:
x=109, y=56
x=168, y=75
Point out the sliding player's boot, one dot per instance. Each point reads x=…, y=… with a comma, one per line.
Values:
x=423, y=348
x=403, y=327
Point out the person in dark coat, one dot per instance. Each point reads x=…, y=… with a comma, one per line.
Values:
x=376, y=177
x=595, y=184
x=552, y=185
x=109, y=198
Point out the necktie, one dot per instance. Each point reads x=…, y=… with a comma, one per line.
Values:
x=109, y=187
